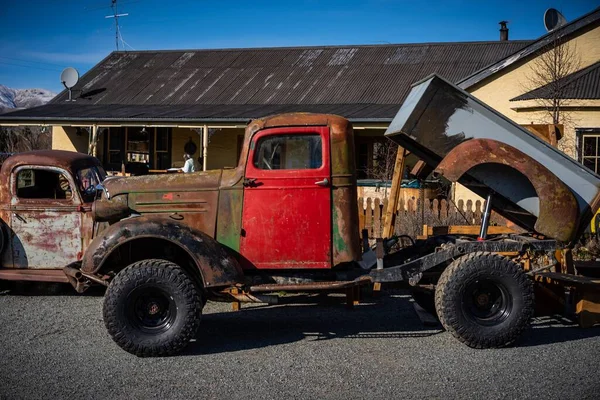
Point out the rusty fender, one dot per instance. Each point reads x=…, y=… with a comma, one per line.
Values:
x=558, y=214
x=216, y=266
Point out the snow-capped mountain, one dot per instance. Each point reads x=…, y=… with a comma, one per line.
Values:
x=23, y=98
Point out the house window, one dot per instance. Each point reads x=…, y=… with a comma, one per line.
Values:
x=138, y=145
x=114, y=146
x=589, y=148
x=375, y=158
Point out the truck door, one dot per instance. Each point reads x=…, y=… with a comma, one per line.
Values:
x=286, y=217
x=45, y=218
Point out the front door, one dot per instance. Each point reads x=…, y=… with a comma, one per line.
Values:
x=45, y=218
x=287, y=199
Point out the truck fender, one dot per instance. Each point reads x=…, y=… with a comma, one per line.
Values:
x=216, y=266
x=558, y=210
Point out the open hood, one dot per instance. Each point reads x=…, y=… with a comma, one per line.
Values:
x=534, y=185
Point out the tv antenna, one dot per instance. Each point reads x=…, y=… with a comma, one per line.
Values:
x=69, y=78
x=553, y=19
x=116, y=16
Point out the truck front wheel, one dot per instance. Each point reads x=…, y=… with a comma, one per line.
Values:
x=485, y=300
x=152, y=308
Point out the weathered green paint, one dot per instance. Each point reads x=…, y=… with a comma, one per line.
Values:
x=229, y=218
x=339, y=244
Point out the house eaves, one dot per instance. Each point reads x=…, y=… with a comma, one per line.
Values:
x=582, y=22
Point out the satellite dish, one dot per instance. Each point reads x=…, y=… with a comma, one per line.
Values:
x=553, y=19
x=69, y=78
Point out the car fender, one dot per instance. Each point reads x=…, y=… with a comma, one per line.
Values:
x=217, y=267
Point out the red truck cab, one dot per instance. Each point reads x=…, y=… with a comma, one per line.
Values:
x=299, y=194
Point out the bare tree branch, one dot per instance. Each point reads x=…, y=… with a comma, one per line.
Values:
x=18, y=139
x=554, y=62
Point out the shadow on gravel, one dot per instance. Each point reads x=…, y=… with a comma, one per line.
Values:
x=549, y=330
x=389, y=316
x=46, y=289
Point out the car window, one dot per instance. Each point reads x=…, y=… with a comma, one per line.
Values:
x=87, y=181
x=289, y=152
x=43, y=184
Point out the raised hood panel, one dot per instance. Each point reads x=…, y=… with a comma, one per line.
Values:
x=463, y=139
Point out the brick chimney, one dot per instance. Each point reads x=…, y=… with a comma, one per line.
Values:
x=503, y=30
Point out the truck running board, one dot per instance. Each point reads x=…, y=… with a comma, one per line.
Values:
x=38, y=275
x=254, y=294
x=310, y=286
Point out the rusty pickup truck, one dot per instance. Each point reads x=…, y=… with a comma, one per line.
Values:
x=45, y=209
x=286, y=220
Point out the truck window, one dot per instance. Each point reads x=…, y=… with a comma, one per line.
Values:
x=42, y=184
x=289, y=152
x=87, y=179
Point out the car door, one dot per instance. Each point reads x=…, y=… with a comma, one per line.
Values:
x=45, y=218
x=286, y=217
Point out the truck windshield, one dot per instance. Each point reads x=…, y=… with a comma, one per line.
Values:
x=87, y=180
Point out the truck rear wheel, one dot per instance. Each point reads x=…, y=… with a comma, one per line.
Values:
x=152, y=308
x=484, y=300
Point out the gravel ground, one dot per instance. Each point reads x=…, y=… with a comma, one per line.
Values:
x=55, y=346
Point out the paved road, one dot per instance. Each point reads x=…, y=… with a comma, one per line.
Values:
x=55, y=346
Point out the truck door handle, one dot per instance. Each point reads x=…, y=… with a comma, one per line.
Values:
x=249, y=182
x=324, y=182
x=17, y=216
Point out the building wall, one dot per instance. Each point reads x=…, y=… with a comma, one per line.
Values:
x=66, y=138
x=222, y=149
x=497, y=90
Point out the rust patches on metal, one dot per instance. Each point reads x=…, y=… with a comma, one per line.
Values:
x=558, y=209
x=37, y=275
x=214, y=264
x=346, y=238
x=67, y=160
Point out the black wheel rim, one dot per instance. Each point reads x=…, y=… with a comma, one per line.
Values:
x=151, y=309
x=487, y=302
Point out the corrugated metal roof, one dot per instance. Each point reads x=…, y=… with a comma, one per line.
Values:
x=581, y=85
x=235, y=81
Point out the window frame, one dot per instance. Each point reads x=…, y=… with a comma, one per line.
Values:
x=324, y=170
x=283, y=154
x=75, y=198
x=582, y=134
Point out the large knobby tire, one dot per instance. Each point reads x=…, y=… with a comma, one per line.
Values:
x=485, y=300
x=152, y=308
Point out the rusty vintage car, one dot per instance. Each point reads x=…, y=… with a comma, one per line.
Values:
x=286, y=220
x=45, y=209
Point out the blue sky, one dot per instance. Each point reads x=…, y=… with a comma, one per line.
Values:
x=41, y=37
